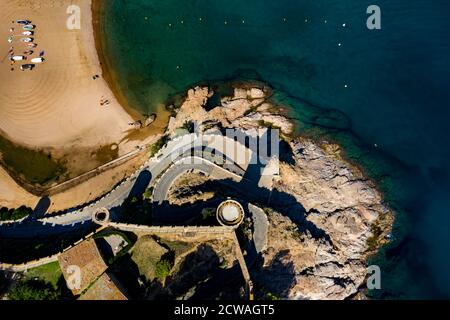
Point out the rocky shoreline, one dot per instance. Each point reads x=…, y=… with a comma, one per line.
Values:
x=326, y=218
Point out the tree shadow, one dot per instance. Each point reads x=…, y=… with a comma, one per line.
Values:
x=134, y=198
x=141, y=184
x=277, y=278
x=197, y=277
x=126, y=271
x=39, y=210
x=105, y=249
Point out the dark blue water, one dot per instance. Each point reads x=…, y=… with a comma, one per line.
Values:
x=397, y=94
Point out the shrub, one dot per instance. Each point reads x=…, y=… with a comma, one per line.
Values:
x=163, y=268
x=158, y=145
x=148, y=193
x=372, y=242
x=14, y=214
x=189, y=126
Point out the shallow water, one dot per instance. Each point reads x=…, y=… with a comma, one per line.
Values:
x=396, y=96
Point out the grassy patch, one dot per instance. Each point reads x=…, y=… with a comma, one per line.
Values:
x=41, y=283
x=49, y=273
x=146, y=254
x=177, y=247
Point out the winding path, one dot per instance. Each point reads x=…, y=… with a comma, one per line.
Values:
x=154, y=168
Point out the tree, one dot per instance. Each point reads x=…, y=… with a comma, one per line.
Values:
x=148, y=193
x=33, y=290
x=163, y=268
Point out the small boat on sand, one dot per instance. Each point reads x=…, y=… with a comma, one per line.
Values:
x=23, y=22
x=28, y=33
x=27, y=67
x=32, y=45
x=18, y=58
x=28, y=27
x=37, y=60
x=27, y=39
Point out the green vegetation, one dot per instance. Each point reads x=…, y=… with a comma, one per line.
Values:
x=158, y=145
x=146, y=254
x=49, y=273
x=14, y=214
x=271, y=296
x=41, y=283
x=33, y=290
x=372, y=242
x=34, y=166
x=148, y=193
x=163, y=268
x=189, y=126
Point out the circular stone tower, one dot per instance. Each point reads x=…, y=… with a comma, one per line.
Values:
x=230, y=213
x=101, y=216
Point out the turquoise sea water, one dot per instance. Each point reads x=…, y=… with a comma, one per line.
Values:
x=397, y=94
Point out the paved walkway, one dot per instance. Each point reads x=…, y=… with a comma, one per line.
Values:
x=152, y=169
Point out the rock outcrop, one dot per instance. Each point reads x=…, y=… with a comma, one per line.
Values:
x=322, y=211
x=246, y=109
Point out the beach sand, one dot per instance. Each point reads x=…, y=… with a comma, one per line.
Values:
x=12, y=195
x=57, y=105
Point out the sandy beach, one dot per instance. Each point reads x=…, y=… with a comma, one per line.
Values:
x=57, y=105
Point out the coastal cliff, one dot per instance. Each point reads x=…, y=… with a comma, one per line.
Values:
x=325, y=217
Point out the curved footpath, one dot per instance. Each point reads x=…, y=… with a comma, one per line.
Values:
x=156, y=167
